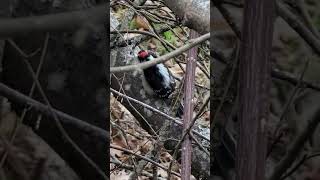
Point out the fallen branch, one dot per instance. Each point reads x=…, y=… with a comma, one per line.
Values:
x=19, y=98
x=178, y=51
x=53, y=22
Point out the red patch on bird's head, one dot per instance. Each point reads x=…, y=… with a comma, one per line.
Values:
x=143, y=54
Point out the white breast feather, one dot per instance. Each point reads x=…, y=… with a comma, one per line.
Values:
x=163, y=70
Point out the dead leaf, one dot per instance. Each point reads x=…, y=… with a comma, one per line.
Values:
x=116, y=153
x=142, y=22
x=122, y=175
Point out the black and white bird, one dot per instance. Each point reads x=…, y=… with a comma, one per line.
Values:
x=158, y=77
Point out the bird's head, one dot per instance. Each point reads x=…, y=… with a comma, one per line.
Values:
x=143, y=55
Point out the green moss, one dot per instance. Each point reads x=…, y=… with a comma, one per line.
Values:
x=170, y=37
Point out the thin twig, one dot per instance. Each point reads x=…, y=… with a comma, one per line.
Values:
x=144, y=158
x=175, y=120
x=228, y=84
x=129, y=167
x=134, y=31
x=227, y=16
x=44, y=51
x=287, y=106
x=57, y=120
x=153, y=132
x=298, y=26
x=21, y=99
x=304, y=159
x=296, y=146
x=275, y=73
x=306, y=17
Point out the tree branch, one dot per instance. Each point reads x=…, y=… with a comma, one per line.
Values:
x=296, y=146
x=188, y=109
x=19, y=98
x=52, y=22
x=142, y=157
x=275, y=73
x=174, y=120
x=299, y=27
x=292, y=20
x=178, y=51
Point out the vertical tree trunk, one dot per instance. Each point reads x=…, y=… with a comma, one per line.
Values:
x=254, y=88
x=188, y=108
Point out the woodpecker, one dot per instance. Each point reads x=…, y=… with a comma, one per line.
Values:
x=159, y=78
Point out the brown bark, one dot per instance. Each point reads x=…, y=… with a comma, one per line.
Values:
x=254, y=80
x=188, y=110
x=193, y=13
